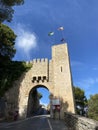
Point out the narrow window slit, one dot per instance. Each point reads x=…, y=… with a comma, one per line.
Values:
x=61, y=68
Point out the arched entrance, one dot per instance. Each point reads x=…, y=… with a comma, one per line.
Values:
x=35, y=107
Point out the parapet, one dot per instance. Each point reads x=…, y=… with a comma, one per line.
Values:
x=27, y=62
x=40, y=67
x=40, y=60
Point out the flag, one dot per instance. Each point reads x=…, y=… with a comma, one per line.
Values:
x=61, y=28
x=62, y=40
x=50, y=33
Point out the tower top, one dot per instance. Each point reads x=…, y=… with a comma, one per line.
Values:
x=61, y=44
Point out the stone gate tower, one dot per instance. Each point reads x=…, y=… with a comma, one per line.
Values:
x=62, y=79
x=54, y=74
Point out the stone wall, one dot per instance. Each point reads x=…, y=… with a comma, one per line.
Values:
x=53, y=74
x=40, y=69
x=76, y=122
x=62, y=77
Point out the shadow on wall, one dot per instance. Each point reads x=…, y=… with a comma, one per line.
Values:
x=57, y=107
x=33, y=103
x=2, y=108
x=11, y=99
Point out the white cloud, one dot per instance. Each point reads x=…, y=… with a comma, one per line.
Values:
x=25, y=41
x=95, y=68
x=76, y=63
x=87, y=83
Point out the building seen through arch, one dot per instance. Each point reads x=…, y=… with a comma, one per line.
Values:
x=35, y=106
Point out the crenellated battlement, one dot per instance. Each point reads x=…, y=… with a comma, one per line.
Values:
x=40, y=69
x=40, y=60
x=27, y=62
x=35, y=61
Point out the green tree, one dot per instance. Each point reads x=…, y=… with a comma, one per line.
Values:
x=6, y=9
x=93, y=107
x=10, y=72
x=7, y=42
x=80, y=99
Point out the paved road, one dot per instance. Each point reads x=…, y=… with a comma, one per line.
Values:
x=35, y=123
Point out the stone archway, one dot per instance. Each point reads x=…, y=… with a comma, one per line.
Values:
x=55, y=74
x=34, y=106
x=25, y=94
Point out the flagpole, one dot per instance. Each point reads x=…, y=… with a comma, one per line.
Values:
x=61, y=28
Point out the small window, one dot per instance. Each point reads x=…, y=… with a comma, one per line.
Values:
x=39, y=78
x=61, y=68
x=34, y=78
x=44, y=77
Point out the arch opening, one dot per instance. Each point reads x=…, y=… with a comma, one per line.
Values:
x=38, y=101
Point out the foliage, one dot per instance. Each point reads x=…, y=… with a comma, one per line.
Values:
x=6, y=9
x=12, y=2
x=80, y=99
x=7, y=42
x=93, y=107
x=11, y=72
x=39, y=95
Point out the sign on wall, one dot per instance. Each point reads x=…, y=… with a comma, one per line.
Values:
x=55, y=102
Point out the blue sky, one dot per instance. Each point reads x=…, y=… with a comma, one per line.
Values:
x=35, y=19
